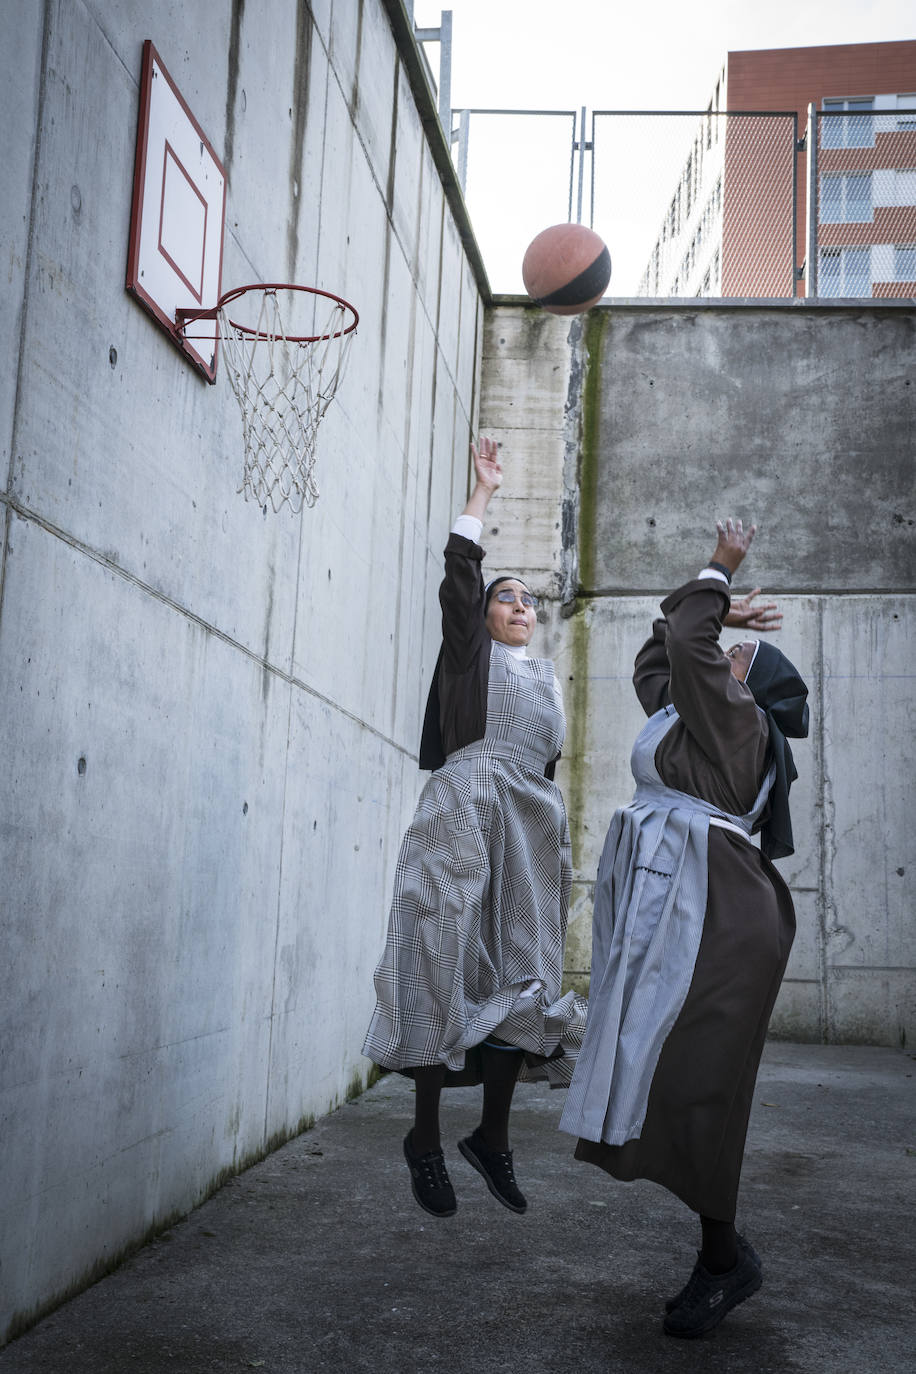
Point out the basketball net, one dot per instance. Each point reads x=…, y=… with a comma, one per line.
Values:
x=283, y=388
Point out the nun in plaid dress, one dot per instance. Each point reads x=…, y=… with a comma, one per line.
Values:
x=468, y=987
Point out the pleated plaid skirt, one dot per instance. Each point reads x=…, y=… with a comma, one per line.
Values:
x=477, y=925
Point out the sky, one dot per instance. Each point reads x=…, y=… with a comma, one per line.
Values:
x=562, y=54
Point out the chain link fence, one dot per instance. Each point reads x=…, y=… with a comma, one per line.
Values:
x=711, y=209
x=704, y=203
x=862, y=179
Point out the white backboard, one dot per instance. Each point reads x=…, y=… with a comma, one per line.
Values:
x=175, y=255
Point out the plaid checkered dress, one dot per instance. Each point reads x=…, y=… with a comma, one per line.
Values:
x=477, y=924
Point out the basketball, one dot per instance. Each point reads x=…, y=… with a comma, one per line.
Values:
x=566, y=268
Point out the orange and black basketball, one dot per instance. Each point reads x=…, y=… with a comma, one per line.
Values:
x=566, y=268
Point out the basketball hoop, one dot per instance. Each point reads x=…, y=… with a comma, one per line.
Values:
x=283, y=382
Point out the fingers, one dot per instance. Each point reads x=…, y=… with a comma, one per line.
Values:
x=485, y=454
x=734, y=529
x=756, y=610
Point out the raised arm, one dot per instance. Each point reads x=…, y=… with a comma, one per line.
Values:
x=732, y=544
x=717, y=709
x=489, y=474
x=461, y=594
x=651, y=671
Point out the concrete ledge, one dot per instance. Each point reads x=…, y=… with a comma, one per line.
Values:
x=844, y=303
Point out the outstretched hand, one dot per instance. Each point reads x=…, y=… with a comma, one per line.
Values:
x=744, y=616
x=487, y=467
x=733, y=543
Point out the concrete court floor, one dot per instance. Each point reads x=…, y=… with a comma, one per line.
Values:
x=319, y=1259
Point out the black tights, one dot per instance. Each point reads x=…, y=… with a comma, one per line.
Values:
x=499, y=1069
x=720, y=1246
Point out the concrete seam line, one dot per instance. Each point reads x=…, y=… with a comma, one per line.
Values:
x=30, y=238
x=32, y=517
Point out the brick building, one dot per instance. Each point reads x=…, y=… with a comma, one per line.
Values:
x=737, y=222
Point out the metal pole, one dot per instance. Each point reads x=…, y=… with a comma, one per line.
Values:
x=581, y=149
x=572, y=166
x=591, y=208
x=464, y=129
x=811, y=263
x=445, y=70
x=794, y=277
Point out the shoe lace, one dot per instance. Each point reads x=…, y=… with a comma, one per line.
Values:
x=432, y=1167
x=696, y=1286
x=500, y=1162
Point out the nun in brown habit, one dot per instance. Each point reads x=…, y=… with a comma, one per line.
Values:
x=693, y=924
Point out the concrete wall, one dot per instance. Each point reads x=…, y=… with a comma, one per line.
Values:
x=210, y=716
x=629, y=434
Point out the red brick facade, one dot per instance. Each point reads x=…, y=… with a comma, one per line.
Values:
x=786, y=79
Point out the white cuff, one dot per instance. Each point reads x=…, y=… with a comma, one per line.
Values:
x=469, y=527
x=714, y=572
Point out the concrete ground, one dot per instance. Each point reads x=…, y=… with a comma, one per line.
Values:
x=319, y=1259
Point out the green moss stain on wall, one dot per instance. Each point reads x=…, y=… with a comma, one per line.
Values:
x=575, y=750
x=596, y=322
x=575, y=747
x=596, y=325
x=577, y=622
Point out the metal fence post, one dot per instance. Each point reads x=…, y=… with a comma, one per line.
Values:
x=464, y=129
x=445, y=69
x=443, y=36
x=798, y=145
x=582, y=145
x=811, y=261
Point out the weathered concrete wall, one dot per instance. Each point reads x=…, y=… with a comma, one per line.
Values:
x=635, y=430
x=209, y=717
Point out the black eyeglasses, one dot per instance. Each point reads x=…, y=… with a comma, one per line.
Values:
x=507, y=597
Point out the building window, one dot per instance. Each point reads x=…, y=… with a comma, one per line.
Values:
x=855, y=132
x=846, y=198
x=844, y=272
x=906, y=111
x=905, y=262
x=905, y=186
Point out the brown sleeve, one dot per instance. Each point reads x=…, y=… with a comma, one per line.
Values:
x=718, y=711
x=651, y=672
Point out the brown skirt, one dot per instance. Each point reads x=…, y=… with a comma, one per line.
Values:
x=692, y=1141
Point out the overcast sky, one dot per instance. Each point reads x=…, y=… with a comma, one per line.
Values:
x=607, y=55
x=563, y=54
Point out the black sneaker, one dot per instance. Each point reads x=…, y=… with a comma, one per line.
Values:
x=708, y=1297
x=430, y=1181
x=495, y=1166
x=744, y=1248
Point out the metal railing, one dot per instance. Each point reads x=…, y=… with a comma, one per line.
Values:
x=703, y=203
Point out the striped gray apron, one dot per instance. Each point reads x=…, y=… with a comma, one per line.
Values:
x=650, y=903
x=477, y=924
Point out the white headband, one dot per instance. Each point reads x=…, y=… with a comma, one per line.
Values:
x=753, y=656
